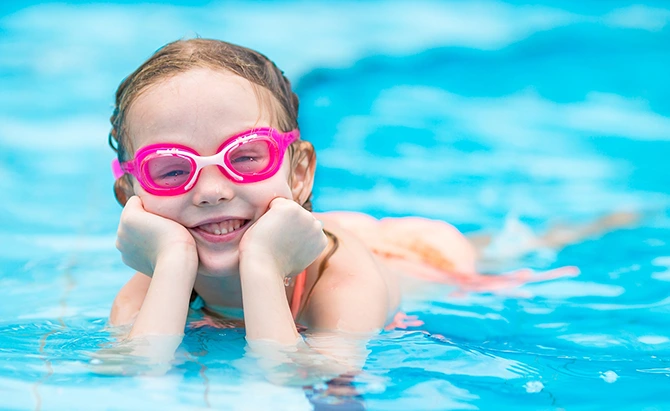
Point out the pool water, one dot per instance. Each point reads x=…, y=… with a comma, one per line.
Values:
x=488, y=115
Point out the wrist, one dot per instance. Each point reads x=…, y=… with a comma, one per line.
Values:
x=177, y=261
x=261, y=264
x=184, y=251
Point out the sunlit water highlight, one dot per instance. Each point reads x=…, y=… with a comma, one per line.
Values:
x=493, y=116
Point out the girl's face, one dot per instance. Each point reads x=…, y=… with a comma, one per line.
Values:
x=202, y=108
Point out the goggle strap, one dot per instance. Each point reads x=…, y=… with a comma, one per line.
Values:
x=117, y=171
x=290, y=137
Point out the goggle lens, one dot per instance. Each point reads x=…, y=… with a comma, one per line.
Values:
x=252, y=157
x=168, y=170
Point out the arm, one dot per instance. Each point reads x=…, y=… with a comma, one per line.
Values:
x=129, y=300
x=267, y=315
x=284, y=241
x=348, y=305
x=157, y=301
x=166, y=303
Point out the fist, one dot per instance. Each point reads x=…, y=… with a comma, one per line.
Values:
x=142, y=237
x=287, y=236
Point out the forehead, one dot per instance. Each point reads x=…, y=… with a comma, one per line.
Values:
x=199, y=108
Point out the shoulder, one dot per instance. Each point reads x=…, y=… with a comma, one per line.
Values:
x=129, y=300
x=355, y=292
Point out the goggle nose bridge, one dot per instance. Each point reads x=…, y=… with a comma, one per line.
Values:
x=217, y=159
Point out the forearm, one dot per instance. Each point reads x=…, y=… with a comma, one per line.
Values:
x=166, y=304
x=159, y=325
x=267, y=315
x=273, y=341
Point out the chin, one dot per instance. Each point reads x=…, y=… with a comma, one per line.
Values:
x=222, y=264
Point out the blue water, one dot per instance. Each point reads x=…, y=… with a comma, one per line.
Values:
x=478, y=113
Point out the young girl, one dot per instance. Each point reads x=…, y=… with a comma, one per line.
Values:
x=216, y=184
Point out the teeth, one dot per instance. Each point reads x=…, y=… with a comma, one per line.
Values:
x=223, y=227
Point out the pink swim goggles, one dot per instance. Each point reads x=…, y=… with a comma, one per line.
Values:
x=172, y=169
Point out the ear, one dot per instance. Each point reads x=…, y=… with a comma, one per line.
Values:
x=303, y=165
x=123, y=189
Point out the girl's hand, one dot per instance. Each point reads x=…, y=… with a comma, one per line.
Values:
x=144, y=237
x=287, y=236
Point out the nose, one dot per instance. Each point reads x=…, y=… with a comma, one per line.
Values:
x=212, y=187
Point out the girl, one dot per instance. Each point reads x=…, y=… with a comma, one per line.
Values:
x=216, y=184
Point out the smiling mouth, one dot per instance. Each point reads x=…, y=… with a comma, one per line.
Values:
x=223, y=227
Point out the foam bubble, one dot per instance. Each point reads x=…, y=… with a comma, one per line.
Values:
x=609, y=376
x=533, y=387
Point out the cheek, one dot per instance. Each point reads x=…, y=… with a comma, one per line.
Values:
x=261, y=194
x=168, y=207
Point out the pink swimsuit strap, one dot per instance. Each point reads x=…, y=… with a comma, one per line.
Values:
x=298, y=291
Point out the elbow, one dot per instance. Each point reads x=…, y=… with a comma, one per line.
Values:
x=122, y=312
